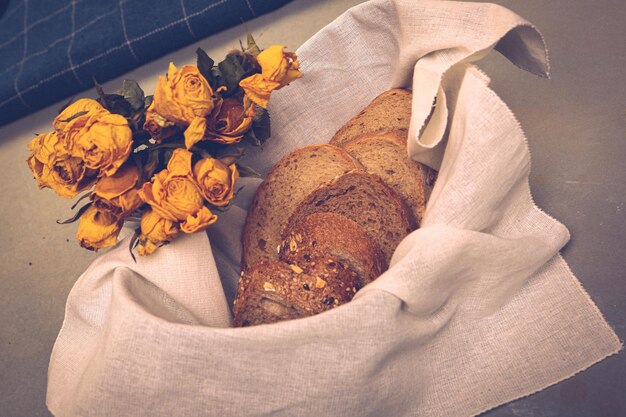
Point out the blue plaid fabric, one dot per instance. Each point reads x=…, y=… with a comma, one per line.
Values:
x=52, y=49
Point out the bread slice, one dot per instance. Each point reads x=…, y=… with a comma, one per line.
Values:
x=291, y=179
x=325, y=238
x=365, y=199
x=272, y=291
x=385, y=155
x=389, y=111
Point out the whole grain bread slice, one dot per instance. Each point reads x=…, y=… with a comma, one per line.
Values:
x=271, y=291
x=291, y=179
x=384, y=154
x=325, y=238
x=389, y=111
x=365, y=199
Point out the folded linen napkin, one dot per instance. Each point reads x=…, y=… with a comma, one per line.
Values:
x=478, y=308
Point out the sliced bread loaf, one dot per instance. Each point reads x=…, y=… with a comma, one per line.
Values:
x=324, y=238
x=272, y=291
x=365, y=199
x=291, y=179
x=389, y=111
x=385, y=155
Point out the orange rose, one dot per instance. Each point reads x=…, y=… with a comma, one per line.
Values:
x=216, y=180
x=175, y=195
x=102, y=140
x=55, y=168
x=118, y=194
x=258, y=89
x=185, y=97
x=230, y=121
x=155, y=231
x=84, y=105
x=158, y=127
x=279, y=65
x=98, y=229
x=278, y=68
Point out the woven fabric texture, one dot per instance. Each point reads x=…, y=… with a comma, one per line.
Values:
x=477, y=308
x=52, y=49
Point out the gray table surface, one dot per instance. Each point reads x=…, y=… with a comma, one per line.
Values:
x=575, y=124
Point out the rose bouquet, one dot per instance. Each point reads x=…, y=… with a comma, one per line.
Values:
x=168, y=160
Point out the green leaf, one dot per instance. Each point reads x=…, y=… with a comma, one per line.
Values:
x=250, y=137
x=140, y=137
x=148, y=101
x=232, y=72
x=221, y=209
x=74, y=116
x=253, y=49
x=238, y=190
x=76, y=216
x=81, y=198
x=167, y=155
x=66, y=105
x=150, y=166
x=217, y=80
x=246, y=171
x=134, y=241
x=100, y=91
x=229, y=159
x=261, y=124
x=133, y=94
x=205, y=64
x=231, y=155
x=117, y=104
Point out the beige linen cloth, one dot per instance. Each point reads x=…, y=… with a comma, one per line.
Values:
x=478, y=308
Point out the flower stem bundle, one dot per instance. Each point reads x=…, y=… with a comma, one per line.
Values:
x=169, y=159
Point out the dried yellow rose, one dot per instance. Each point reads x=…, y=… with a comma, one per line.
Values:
x=157, y=126
x=118, y=193
x=230, y=120
x=98, y=229
x=258, y=89
x=101, y=139
x=54, y=167
x=216, y=180
x=84, y=105
x=278, y=68
x=175, y=194
x=279, y=65
x=185, y=97
x=155, y=230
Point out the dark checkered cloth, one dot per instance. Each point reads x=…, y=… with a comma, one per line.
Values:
x=52, y=49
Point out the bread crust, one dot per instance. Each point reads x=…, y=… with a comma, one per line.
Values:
x=271, y=291
x=390, y=110
x=268, y=213
x=412, y=180
x=365, y=199
x=321, y=238
x=320, y=227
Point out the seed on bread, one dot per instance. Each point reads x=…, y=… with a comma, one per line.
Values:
x=279, y=194
x=334, y=231
x=296, y=269
x=333, y=239
x=366, y=200
x=271, y=291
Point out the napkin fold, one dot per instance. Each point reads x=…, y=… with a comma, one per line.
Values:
x=478, y=308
